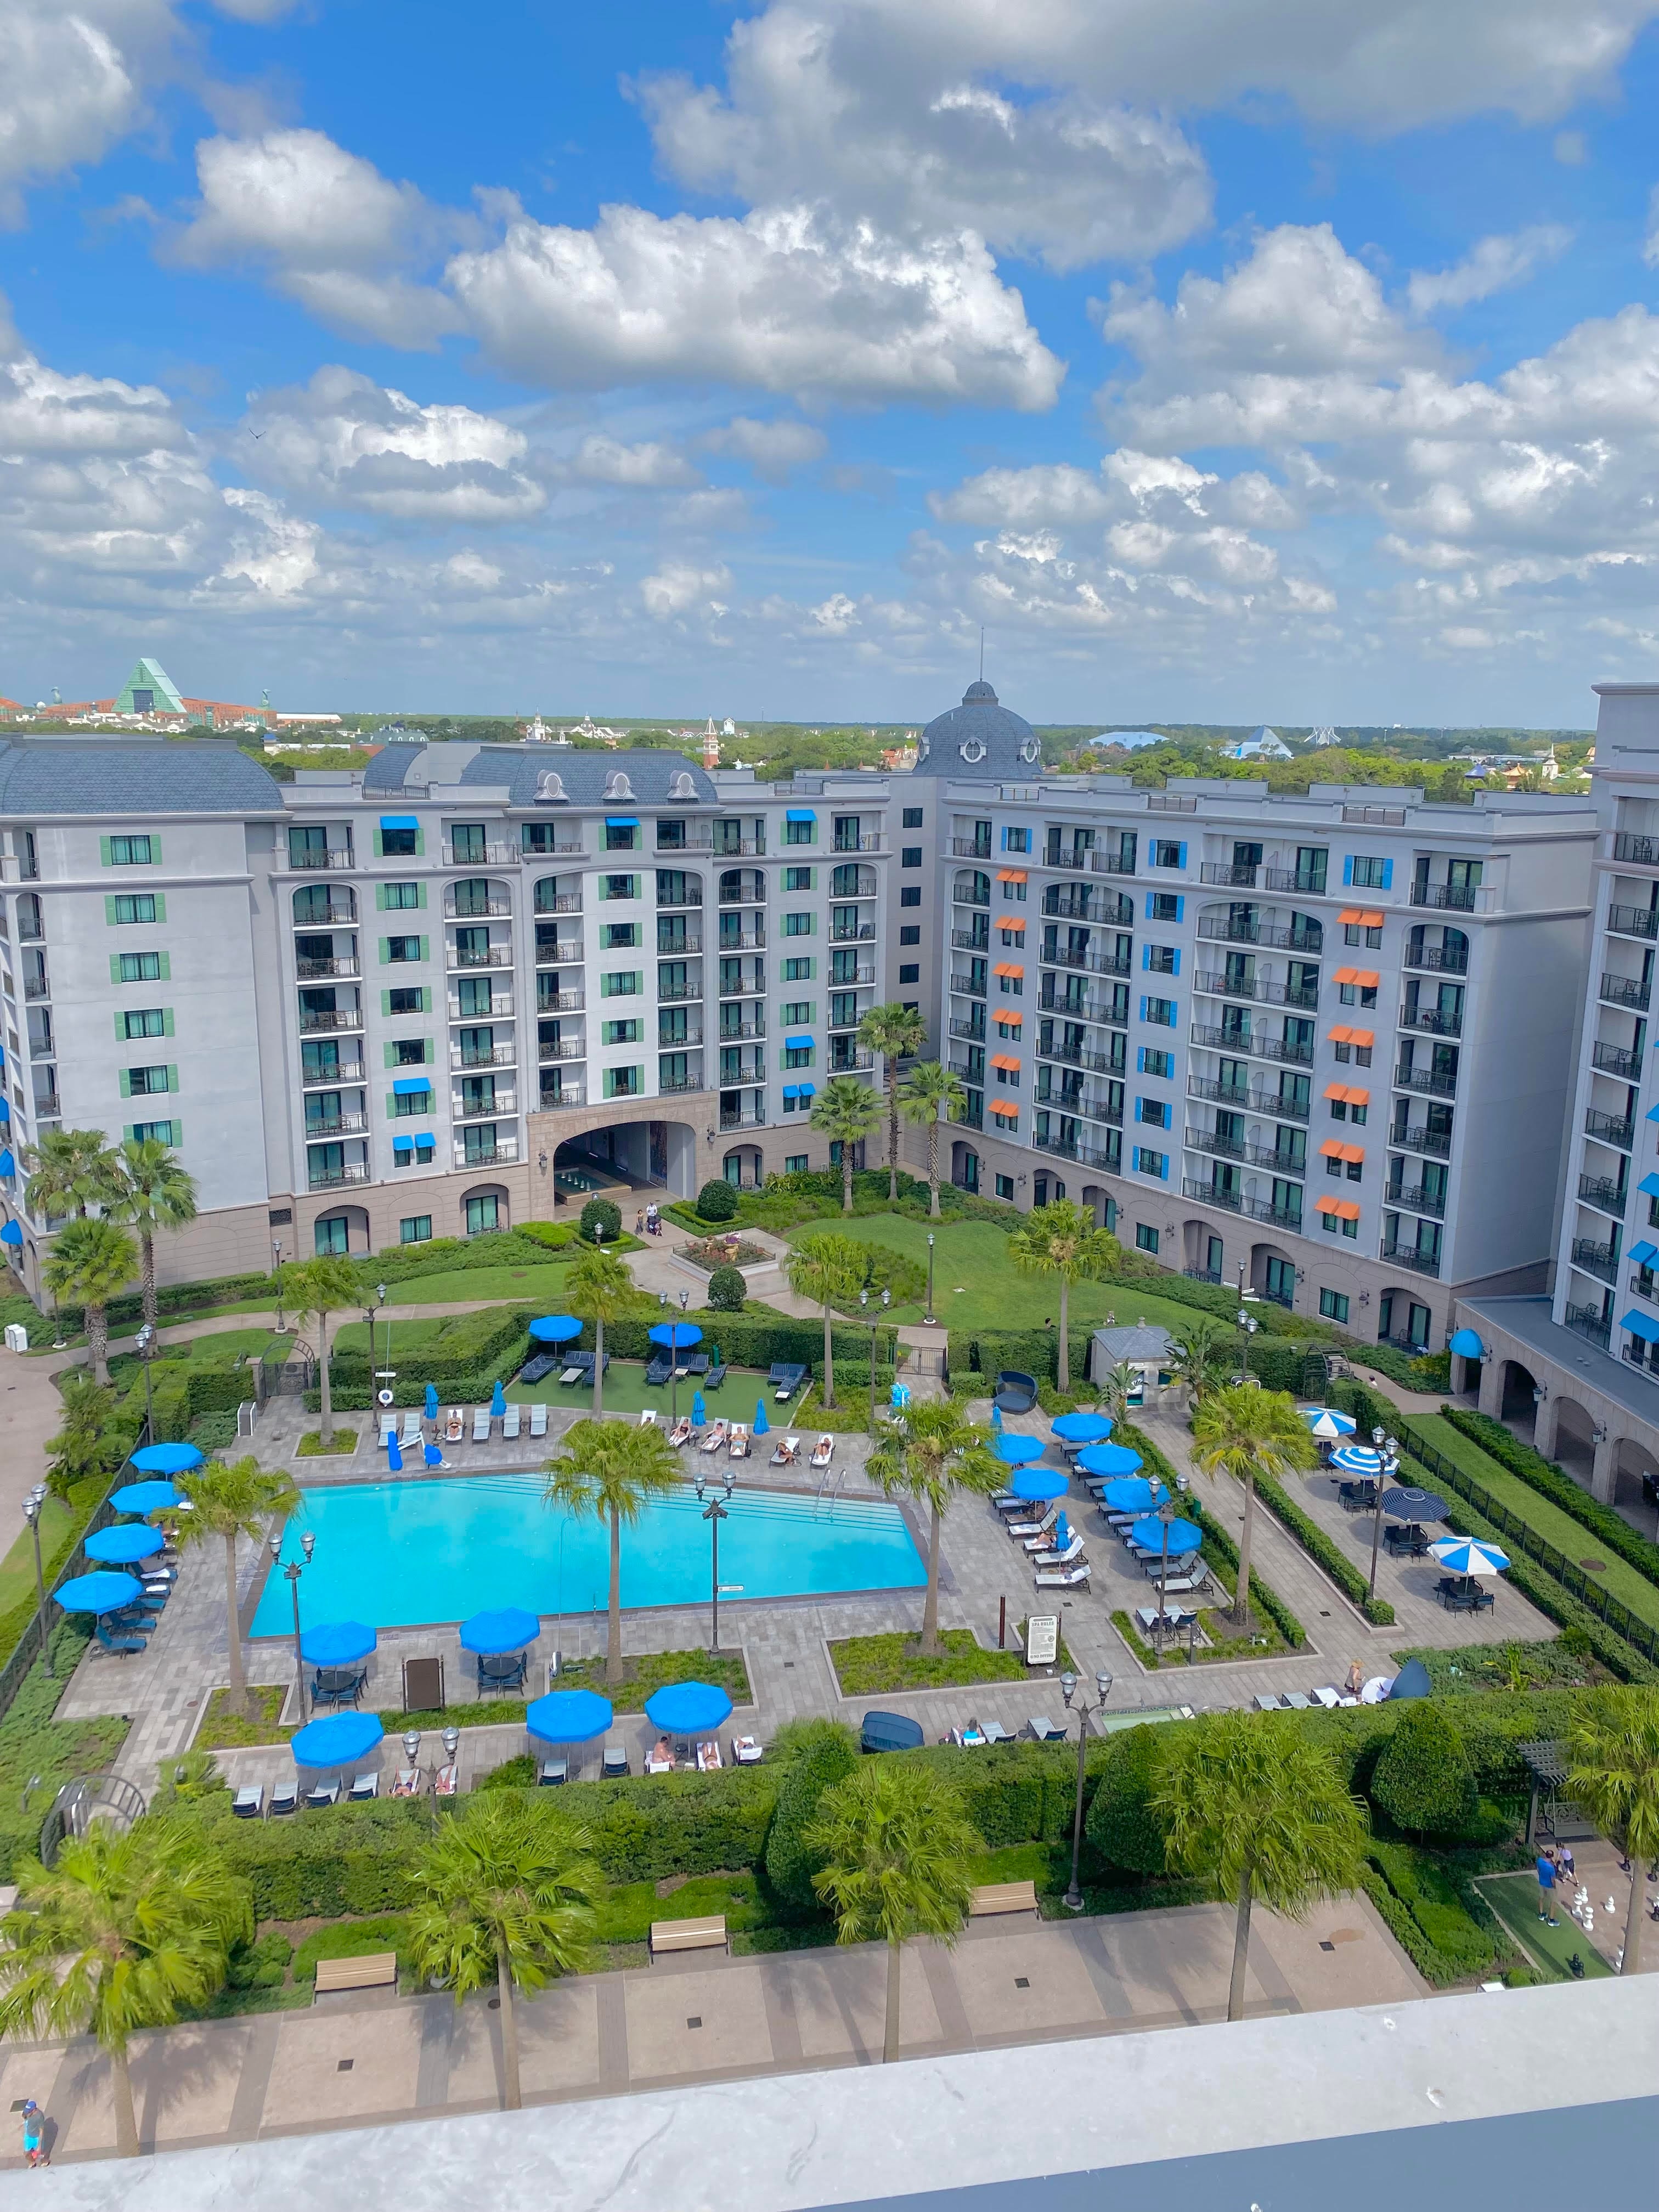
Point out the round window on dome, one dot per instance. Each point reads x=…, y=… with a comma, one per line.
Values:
x=971, y=749
x=1030, y=749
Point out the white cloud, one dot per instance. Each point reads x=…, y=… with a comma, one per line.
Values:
x=679, y=586
x=771, y=449
x=649, y=465
x=1492, y=265
x=1650, y=244
x=70, y=84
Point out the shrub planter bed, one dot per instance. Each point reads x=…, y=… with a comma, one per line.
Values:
x=865, y=1666
x=341, y=1445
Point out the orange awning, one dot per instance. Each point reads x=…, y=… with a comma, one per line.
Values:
x=1011, y=922
x=1008, y=1106
x=1337, y=1090
x=1341, y=1035
x=1345, y=976
x=1008, y=1021
x=1371, y=921
x=1357, y=917
x=1330, y=1149
x=1367, y=978
x=1344, y=1208
x=1007, y=967
x=1359, y=1097
x=1007, y=1062
x=1011, y=875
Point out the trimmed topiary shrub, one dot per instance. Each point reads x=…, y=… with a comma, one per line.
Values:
x=717, y=1200
x=1121, y=1825
x=828, y=1754
x=1423, y=1779
x=601, y=1221
x=727, y=1289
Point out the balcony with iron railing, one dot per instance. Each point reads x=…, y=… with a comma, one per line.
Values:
x=1438, y=960
x=499, y=1008
x=36, y=988
x=488, y=1108
x=558, y=1090
x=1062, y=856
x=1427, y=1082
x=1411, y=1256
x=335, y=1125
x=1625, y=991
x=1094, y=963
x=336, y=1178
x=1306, y=886
x=1213, y=1193
x=566, y=1051
x=688, y=1041
x=1437, y=1142
x=677, y=994
x=1079, y=1055
x=48, y=1106
x=852, y=933
x=1255, y=1155
x=1108, y=863
x=1455, y=898
x=331, y=916
x=1096, y=1011
x=868, y=840
x=1280, y=1217
x=503, y=1152
x=489, y=1055
x=847, y=979
x=739, y=1032
x=680, y=948
x=1415, y=1197
x=1645, y=851
x=560, y=903
x=1609, y=1129
x=474, y=909
x=493, y=955
x=485, y=856
x=331, y=1079
x=339, y=1018
x=557, y=952
x=970, y=848
x=335, y=856
x=670, y=1086
x=1590, y=1322
x=1258, y=1048
x=972, y=940
x=737, y=848
x=847, y=1058
x=747, y=1117
x=1616, y=1059
x=1241, y=876
x=1607, y=1194
x=1434, y=1020
x=1225, y=929
x=684, y=837
x=753, y=986
x=969, y=896
x=1595, y=1258
x=1634, y=920
x=1211, y=1140
x=560, y=1002
x=1263, y=993
x=691, y=895
x=969, y=986
x=1073, y=1148
x=312, y=970
x=974, y=1031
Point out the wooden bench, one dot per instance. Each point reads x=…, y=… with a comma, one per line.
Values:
x=708, y=1934
x=373, y=1970
x=1004, y=1896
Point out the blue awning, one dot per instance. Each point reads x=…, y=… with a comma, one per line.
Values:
x=809, y=1091
x=403, y=1143
x=406, y=1086
x=800, y=814
x=8, y=1164
x=1650, y=1186
x=1645, y=1254
x=11, y=1234
x=621, y=821
x=5, y=1110
x=1652, y=1114
x=1639, y=1324
x=400, y=821
x=791, y=1090
x=426, y=1136
x=1466, y=1344
x=798, y=1043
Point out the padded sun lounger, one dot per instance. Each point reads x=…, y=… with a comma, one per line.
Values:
x=657, y=1372
x=1266, y=1701
x=552, y=1772
x=745, y=1751
x=1329, y=1699
x=1038, y=1527
x=785, y=1378
x=388, y=1428
x=481, y=1426
x=324, y=1793
x=1062, y=1577
x=1043, y=1729
x=539, y=1420
x=119, y=1645
x=446, y=1781
x=249, y=1802
x=614, y=1762
x=365, y=1787
x=413, y=1433
x=510, y=1424
x=995, y=1732
x=1073, y=1550
x=284, y=1798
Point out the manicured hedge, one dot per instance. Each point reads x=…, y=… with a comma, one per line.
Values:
x=1554, y=1482
x=1217, y=1541
x=1322, y=1551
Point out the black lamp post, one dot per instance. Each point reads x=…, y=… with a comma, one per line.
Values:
x=277, y=1270
x=1389, y=1449
x=1247, y=1329
x=1068, y=1690
x=380, y=1292
x=144, y=1345
x=32, y=1504
x=928, y=1318
x=874, y=1324
x=1165, y=1514
x=713, y=1512
x=292, y=1572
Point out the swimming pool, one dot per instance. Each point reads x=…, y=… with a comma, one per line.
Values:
x=401, y=1554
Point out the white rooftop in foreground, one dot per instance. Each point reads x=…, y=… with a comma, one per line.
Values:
x=1529, y=2074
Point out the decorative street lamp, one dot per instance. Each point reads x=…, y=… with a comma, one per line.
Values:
x=144, y=1345
x=1247, y=1329
x=1068, y=1690
x=292, y=1570
x=929, y=1315
x=874, y=1324
x=1389, y=1448
x=32, y=1504
x=713, y=1512
x=277, y=1270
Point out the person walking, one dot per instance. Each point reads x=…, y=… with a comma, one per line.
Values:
x=1546, y=1889
x=33, y=2127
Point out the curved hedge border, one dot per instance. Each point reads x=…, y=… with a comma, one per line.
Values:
x=1554, y=1482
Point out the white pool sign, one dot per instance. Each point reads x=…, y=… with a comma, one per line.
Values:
x=1042, y=1639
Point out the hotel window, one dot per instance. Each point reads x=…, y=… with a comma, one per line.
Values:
x=910, y=933
x=1004, y=1186
x=140, y=967
x=910, y=973
x=1146, y=1238
x=621, y=983
x=482, y=1213
x=162, y=1133
x=794, y=1164
x=797, y=879
x=911, y=819
x=797, y=1013
x=619, y=887
x=910, y=856
x=403, y=948
x=134, y=906
x=627, y=1032
x=1161, y=1011
x=408, y=999
x=394, y=897
x=619, y=936
x=133, y=852
x=911, y=895
x=146, y=1022
x=414, y=1229
x=797, y=925
x=798, y=970
x=1154, y=1062
x=624, y=1082
x=1333, y=1306
x=1367, y=873
x=148, y=1082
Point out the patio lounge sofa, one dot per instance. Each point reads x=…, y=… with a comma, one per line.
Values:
x=545, y=1363
x=657, y=1372
x=784, y=1378
x=1014, y=1392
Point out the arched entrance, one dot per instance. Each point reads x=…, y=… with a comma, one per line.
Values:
x=1636, y=1483
x=1273, y=1274
x=1202, y=1253
x=1518, y=1407
x=618, y=1157
x=341, y=1231
x=484, y=1206
x=964, y=1166
x=741, y=1166
x=1575, y=1438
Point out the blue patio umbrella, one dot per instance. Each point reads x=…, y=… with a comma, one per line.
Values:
x=394, y=1457
x=11, y=1234
x=762, y=1426
x=1062, y=1533
x=1327, y=1424
x=1013, y=1450
x=145, y=1498
x=699, y=1410
x=435, y=1456
x=687, y=1707
x=101, y=1593
x=1038, y=1483
x=120, y=1547
x=1462, y=1555
x=432, y=1401
x=1083, y=1428
x=497, y=1400
x=567, y=1716
x=675, y=1335
x=167, y=1459
x=1185, y=1536
x=1109, y=1459
x=996, y=1417
x=337, y=1739
x=1358, y=1459
x=507, y=1628
x=556, y=1328
x=336, y=1643
x=1412, y=1682
x=1133, y=1494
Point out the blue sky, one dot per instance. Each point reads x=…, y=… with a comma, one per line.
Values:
x=1231, y=361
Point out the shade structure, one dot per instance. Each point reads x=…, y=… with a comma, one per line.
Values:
x=1083, y=1428
x=699, y=1410
x=556, y=1328
x=1466, y=1344
x=432, y=1401
x=1358, y=1459
x=144, y=1497
x=1109, y=1460
x=336, y=1643
x=1185, y=1536
x=684, y=1708
x=1404, y=1504
x=1039, y=1483
x=167, y=1459
x=1327, y=1424
x=120, y=1548
x=676, y=1335
x=567, y=1716
x=1133, y=1494
x=1412, y=1682
x=507, y=1628
x=1014, y=1451
x=394, y=1455
x=337, y=1740
x=1463, y=1555
x=99, y=1593
x=497, y=1400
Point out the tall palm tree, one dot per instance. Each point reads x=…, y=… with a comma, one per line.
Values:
x=69, y=1171
x=846, y=1111
x=154, y=1192
x=607, y=1472
x=327, y=1283
x=231, y=1501
x=1244, y=1432
x=1112, y=1393
x=91, y=1260
x=931, y=1451
x=929, y=1086
x=598, y=1290
x=1249, y=1801
x=1060, y=1239
x=505, y=1892
x=829, y=1270
x=1204, y=1347
x=123, y=1929
x=897, y=1847
x=897, y=1032
x=1614, y=1774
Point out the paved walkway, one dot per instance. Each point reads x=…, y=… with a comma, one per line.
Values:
x=355, y=2062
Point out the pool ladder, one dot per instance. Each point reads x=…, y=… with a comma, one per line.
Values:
x=827, y=1491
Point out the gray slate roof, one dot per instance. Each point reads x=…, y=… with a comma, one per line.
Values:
x=584, y=774
x=980, y=739
x=1142, y=1340
x=64, y=775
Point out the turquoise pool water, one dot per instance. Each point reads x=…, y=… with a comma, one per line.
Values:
x=402, y=1554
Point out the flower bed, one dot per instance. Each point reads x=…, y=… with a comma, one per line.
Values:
x=714, y=1252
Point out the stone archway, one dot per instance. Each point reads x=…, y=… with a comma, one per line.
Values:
x=1636, y=1483
x=1518, y=1403
x=742, y=1166
x=484, y=1206
x=1574, y=1437
x=964, y=1166
x=644, y=1149
x=342, y=1229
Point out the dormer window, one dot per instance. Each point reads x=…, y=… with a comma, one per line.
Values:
x=681, y=785
x=550, y=789
x=616, y=784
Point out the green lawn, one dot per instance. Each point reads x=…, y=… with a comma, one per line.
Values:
x=626, y=1392
x=408, y=1337
x=17, y=1568
x=483, y=1286
x=1514, y=1899
x=1553, y=1525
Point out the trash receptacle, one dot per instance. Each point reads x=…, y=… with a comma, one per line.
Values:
x=17, y=1338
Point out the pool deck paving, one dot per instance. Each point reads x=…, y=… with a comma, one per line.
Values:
x=363, y=2059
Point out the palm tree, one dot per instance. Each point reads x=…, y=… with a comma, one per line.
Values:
x=90, y=1260
x=610, y=1472
x=124, y=1929
x=1204, y=1348
x=154, y=1192
x=505, y=1891
x=1060, y=1239
x=1244, y=1432
x=326, y=1285
x=598, y=1289
x=898, y=1849
x=829, y=1270
x=930, y=1085
x=82, y=1446
x=897, y=1032
x=1114, y=1390
x=1249, y=1801
x=1614, y=1748
x=930, y=1452
x=238, y=1500
x=845, y=1112
x=69, y=1171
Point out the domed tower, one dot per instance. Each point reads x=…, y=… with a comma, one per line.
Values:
x=979, y=739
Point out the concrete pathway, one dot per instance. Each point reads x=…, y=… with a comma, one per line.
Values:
x=359, y=2060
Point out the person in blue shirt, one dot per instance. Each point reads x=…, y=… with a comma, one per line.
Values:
x=1546, y=1889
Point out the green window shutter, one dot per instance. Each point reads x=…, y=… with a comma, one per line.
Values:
x=109, y=909
x=385, y=951
x=378, y=846
x=425, y=998
x=166, y=968
x=130, y=1132
x=426, y=948
x=115, y=976
x=172, y=1075
x=175, y=1133
x=385, y=1002
x=126, y=1084
x=160, y=906
x=155, y=852
x=391, y=1102
x=420, y=890
x=103, y=847
x=420, y=842
x=166, y=1021
x=120, y=1029
x=380, y=898
x=391, y=1059
x=431, y=1052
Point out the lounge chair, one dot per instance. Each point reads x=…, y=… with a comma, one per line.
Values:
x=284, y=1799
x=681, y=1432
x=1328, y=1697
x=406, y=1782
x=1073, y=1552
x=745, y=1751
x=737, y=1443
x=708, y=1756
x=481, y=1425
x=502, y=1670
x=1014, y=1392
x=321, y=1794
x=1266, y=1701
x=249, y=1802
x=995, y=1733
x=971, y=1738
x=551, y=1772
x=1024, y=1529
x=134, y=1622
x=785, y=1378
x=648, y=1417
x=657, y=1372
x=715, y=1376
x=1043, y=1729
x=446, y=1781
x=510, y=1425
x=1062, y=1577
x=545, y=1363
x=455, y=1426
x=787, y=1452
x=414, y=1431
x=823, y=1451
x=614, y=1762
x=1196, y=1574
x=365, y=1787
x=121, y=1644
x=1297, y=1700
x=539, y=1420
x=660, y=1759
x=694, y=1363
x=388, y=1429
x=713, y=1436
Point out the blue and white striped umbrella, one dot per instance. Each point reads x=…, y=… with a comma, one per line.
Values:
x=1358, y=1459
x=1327, y=1424
x=1462, y=1555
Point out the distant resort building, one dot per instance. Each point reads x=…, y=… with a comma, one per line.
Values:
x=150, y=701
x=1262, y=744
x=1128, y=741
x=1509, y=767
